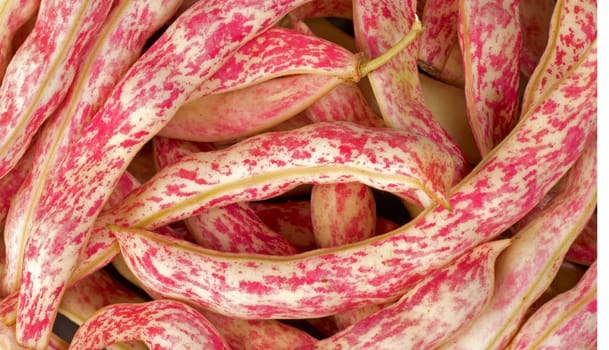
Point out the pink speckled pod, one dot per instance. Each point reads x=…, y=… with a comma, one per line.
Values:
x=438, y=306
x=344, y=103
x=12, y=16
x=111, y=52
x=278, y=162
x=160, y=324
x=92, y=293
x=99, y=289
x=233, y=228
x=41, y=71
x=237, y=228
x=240, y=230
x=490, y=38
x=258, y=334
x=378, y=25
x=572, y=30
x=269, y=164
x=139, y=106
x=228, y=116
x=439, y=34
x=342, y=213
x=166, y=150
x=126, y=184
x=292, y=220
x=569, y=321
x=526, y=268
x=503, y=188
x=278, y=52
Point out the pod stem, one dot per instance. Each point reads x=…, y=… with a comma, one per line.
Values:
x=368, y=66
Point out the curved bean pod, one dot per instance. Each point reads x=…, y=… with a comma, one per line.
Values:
x=160, y=324
x=269, y=164
x=570, y=319
x=228, y=116
x=110, y=54
x=509, y=182
x=434, y=309
x=490, y=40
x=572, y=30
x=41, y=71
x=396, y=85
x=139, y=106
x=527, y=268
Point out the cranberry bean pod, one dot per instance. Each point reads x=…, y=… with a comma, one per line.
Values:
x=139, y=106
x=509, y=182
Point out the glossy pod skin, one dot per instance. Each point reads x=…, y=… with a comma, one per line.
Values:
x=439, y=234
x=111, y=52
x=96, y=160
x=269, y=204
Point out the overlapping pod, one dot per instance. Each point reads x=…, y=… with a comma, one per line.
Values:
x=278, y=52
x=258, y=334
x=291, y=219
x=139, y=106
x=110, y=54
x=504, y=187
x=272, y=164
x=439, y=35
x=490, y=40
x=269, y=164
x=377, y=26
x=240, y=230
x=92, y=293
x=13, y=14
x=39, y=74
x=233, y=228
x=345, y=102
x=572, y=29
x=229, y=116
x=8, y=305
x=160, y=324
x=569, y=320
x=435, y=308
x=237, y=228
x=526, y=268
x=98, y=290
x=342, y=213
x=274, y=53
